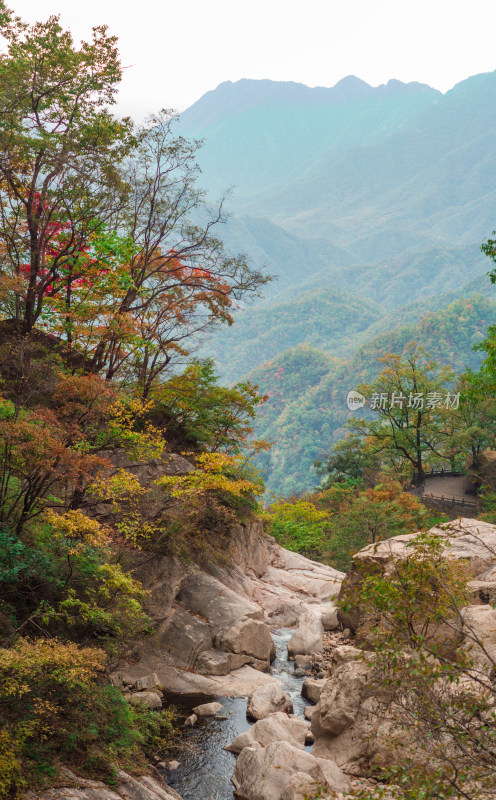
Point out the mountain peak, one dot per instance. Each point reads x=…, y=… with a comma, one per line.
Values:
x=351, y=88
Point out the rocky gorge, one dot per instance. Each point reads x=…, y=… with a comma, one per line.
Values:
x=214, y=639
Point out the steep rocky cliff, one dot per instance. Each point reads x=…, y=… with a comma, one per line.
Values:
x=213, y=621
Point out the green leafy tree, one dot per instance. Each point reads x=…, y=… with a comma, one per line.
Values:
x=194, y=405
x=299, y=526
x=59, y=154
x=366, y=516
x=352, y=459
x=409, y=420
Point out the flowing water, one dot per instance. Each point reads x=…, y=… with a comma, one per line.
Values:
x=206, y=768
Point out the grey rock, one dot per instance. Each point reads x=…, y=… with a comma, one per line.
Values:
x=266, y=773
x=277, y=727
x=267, y=700
x=148, y=699
x=207, y=709
x=308, y=636
x=344, y=653
x=330, y=619
x=147, y=682
x=127, y=788
x=303, y=661
x=182, y=637
x=312, y=688
x=248, y=637
x=218, y=662
x=191, y=721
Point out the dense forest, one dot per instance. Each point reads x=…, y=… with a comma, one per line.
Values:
x=105, y=284
x=118, y=282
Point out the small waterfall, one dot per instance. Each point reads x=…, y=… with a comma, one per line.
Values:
x=206, y=768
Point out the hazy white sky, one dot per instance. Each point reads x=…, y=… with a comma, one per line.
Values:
x=176, y=50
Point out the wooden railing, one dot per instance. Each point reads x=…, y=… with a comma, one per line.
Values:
x=452, y=501
x=435, y=473
x=418, y=487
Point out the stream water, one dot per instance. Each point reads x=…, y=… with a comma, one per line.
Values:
x=206, y=768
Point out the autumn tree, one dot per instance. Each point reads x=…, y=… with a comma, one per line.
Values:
x=410, y=401
x=60, y=150
x=181, y=279
x=105, y=237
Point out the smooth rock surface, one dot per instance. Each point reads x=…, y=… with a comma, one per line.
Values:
x=308, y=636
x=312, y=688
x=239, y=683
x=208, y=709
x=267, y=700
x=212, y=620
x=479, y=631
x=127, y=788
x=277, y=727
x=264, y=773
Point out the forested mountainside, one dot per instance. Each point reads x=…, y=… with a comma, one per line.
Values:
x=375, y=171
x=306, y=407
x=369, y=205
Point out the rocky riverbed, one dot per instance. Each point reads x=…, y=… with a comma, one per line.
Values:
x=313, y=720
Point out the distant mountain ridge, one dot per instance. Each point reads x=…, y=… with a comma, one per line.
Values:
x=370, y=205
x=258, y=133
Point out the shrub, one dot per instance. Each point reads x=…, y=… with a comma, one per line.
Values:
x=58, y=708
x=299, y=526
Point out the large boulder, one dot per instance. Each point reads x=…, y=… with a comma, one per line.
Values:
x=126, y=788
x=267, y=700
x=172, y=681
x=283, y=583
x=312, y=688
x=351, y=722
x=208, y=621
x=478, y=626
x=308, y=636
x=265, y=773
x=467, y=540
x=222, y=607
x=274, y=728
x=330, y=620
x=341, y=697
x=218, y=662
x=251, y=638
x=181, y=638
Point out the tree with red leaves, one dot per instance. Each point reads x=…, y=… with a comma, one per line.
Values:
x=105, y=237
